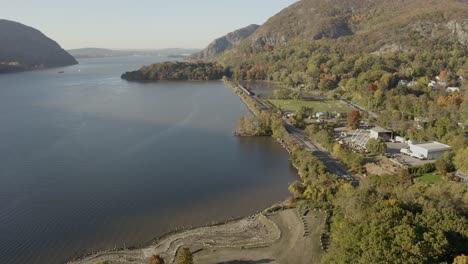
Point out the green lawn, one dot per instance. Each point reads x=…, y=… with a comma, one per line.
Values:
x=318, y=106
x=431, y=178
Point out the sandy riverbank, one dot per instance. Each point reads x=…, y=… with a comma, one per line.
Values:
x=281, y=237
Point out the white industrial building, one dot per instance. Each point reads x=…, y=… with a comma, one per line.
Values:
x=429, y=150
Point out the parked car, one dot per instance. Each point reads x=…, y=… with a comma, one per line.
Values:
x=418, y=156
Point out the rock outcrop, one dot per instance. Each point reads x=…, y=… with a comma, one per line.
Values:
x=460, y=30
x=224, y=43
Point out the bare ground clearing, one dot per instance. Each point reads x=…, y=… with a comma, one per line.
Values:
x=280, y=237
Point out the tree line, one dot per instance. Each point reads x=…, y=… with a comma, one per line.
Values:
x=178, y=71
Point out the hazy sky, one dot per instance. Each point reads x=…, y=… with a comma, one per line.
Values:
x=138, y=23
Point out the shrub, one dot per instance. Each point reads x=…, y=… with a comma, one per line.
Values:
x=185, y=257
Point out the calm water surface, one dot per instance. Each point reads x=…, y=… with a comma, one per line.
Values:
x=90, y=162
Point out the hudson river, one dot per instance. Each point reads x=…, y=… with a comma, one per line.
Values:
x=90, y=162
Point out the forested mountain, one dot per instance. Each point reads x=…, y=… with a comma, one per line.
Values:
x=360, y=50
x=25, y=48
x=224, y=43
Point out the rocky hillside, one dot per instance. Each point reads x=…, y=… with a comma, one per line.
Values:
x=25, y=48
x=380, y=22
x=224, y=43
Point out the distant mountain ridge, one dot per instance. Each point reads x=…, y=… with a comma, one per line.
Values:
x=102, y=53
x=226, y=42
x=25, y=48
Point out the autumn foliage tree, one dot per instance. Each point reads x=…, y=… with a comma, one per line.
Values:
x=353, y=119
x=443, y=75
x=156, y=259
x=461, y=260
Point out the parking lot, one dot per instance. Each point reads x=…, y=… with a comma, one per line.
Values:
x=393, y=149
x=349, y=137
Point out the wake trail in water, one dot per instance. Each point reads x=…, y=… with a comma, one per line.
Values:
x=152, y=139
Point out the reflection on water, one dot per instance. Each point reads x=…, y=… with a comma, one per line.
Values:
x=262, y=88
x=92, y=162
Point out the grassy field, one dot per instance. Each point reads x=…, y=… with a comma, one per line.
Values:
x=431, y=178
x=318, y=106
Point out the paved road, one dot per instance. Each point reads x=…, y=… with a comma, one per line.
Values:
x=333, y=166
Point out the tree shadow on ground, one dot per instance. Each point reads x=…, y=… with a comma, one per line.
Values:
x=261, y=261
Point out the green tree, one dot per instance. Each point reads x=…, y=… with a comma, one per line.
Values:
x=282, y=93
x=464, y=111
x=185, y=256
x=297, y=189
x=444, y=164
x=461, y=160
x=376, y=146
x=297, y=120
x=337, y=150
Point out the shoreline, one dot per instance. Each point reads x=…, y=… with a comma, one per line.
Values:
x=276, y=207
x=277, y=235
x=157, y=239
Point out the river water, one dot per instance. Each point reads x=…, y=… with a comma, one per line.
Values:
x=90, y=162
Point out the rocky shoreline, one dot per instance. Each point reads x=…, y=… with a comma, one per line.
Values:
x=260, y=236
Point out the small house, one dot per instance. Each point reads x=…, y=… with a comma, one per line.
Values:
x=342, y=115
x=319, y=115
x=403, y=82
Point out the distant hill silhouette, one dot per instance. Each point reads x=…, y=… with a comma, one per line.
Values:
x=25, y=48
x=103, y=53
